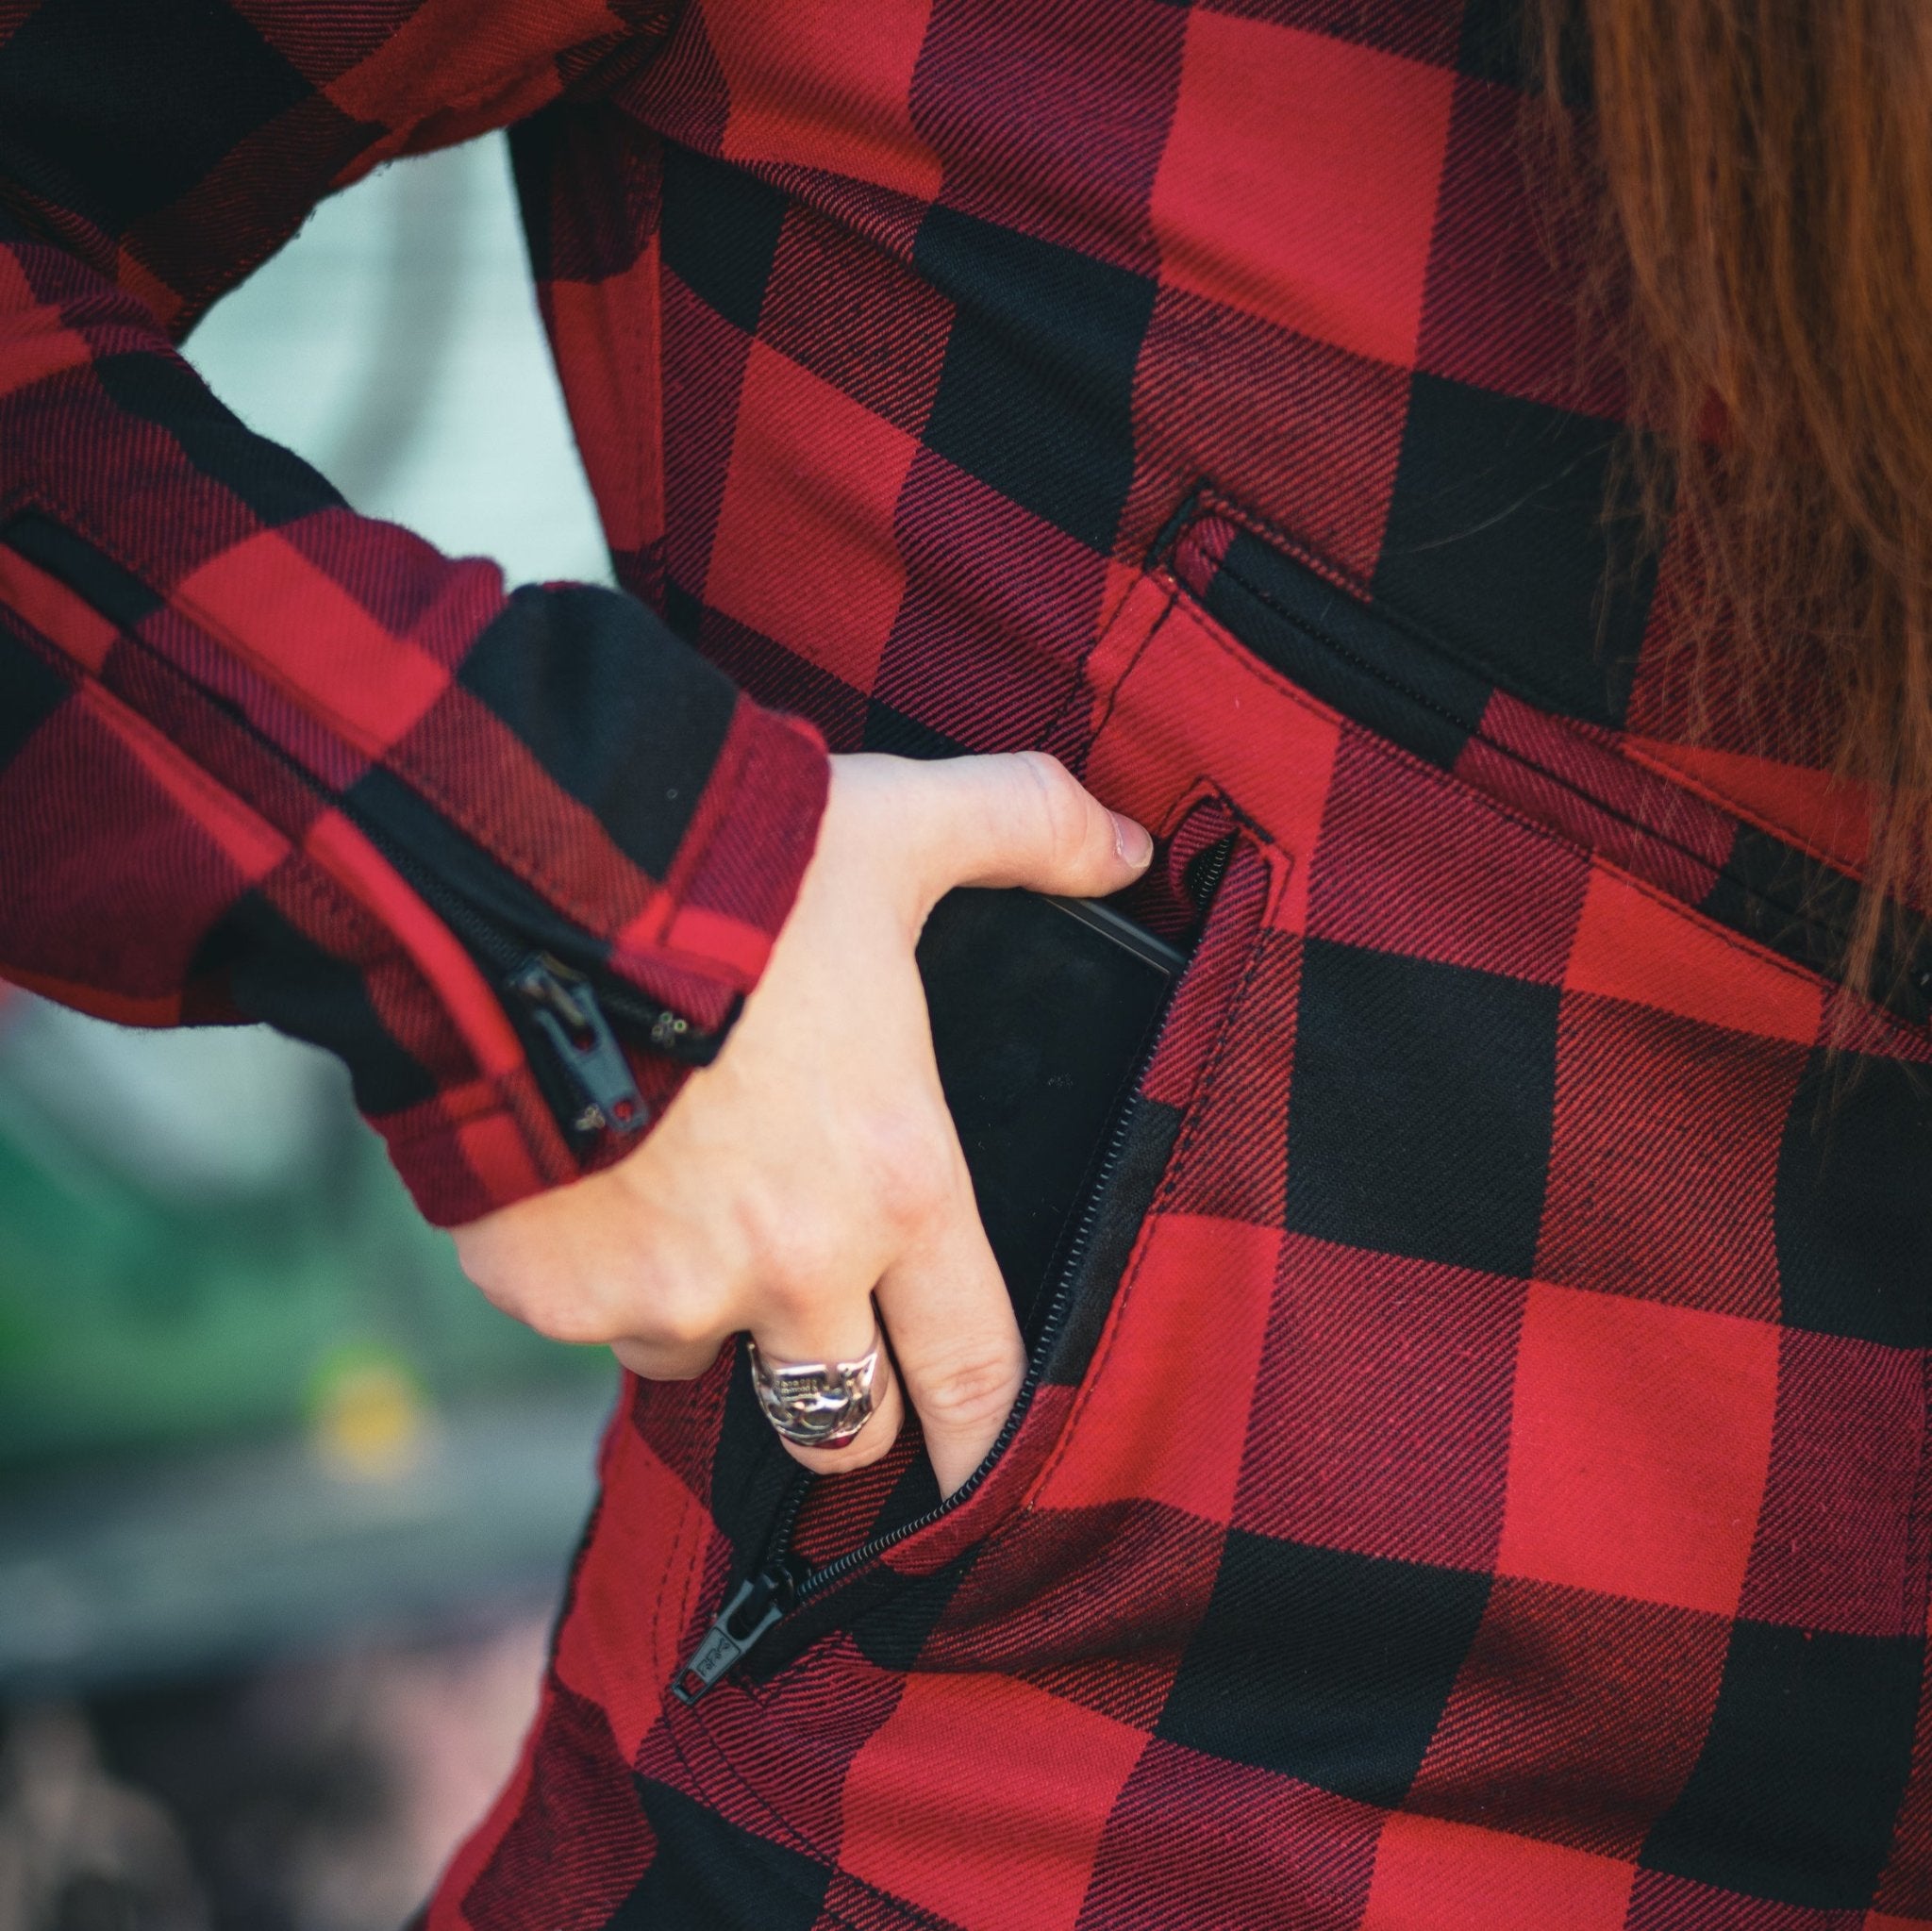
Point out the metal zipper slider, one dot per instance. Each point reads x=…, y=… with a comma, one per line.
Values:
x=760, y=1601
x=564, y=1007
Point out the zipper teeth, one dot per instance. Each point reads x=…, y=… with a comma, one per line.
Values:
x=1057, y=1310
x=505, y=953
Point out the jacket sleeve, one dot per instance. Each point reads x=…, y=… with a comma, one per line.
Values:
x=514, y=856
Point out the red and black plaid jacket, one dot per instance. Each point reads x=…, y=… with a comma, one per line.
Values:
x=1475, y=1472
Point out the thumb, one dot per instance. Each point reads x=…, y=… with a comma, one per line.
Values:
x=1022, y=818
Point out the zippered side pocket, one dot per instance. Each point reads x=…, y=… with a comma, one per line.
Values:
x=787, y=1590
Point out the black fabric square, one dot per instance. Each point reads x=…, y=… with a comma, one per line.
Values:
x=573, y=235
x=274, y=482
x=118, y=110
x=1496, y=539
x=707, y=1875
x=31, y=690
x=1325, y=1666
x=1853, y=1213
x=1386, y=676
x=1495, y=46
x=1420, y=1114
x=891, y=1616
x=752, y=1476
x=720, y=232
x=275, y=974
x=1035, y=394
x=889, y=729
x=619, y=711
x=1799, y=1785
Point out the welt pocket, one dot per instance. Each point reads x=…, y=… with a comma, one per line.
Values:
x=1392, y=676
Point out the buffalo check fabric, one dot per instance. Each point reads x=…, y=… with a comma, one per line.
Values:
x=1482, y=1478
x=262, y=758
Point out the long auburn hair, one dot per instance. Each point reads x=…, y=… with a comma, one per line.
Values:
x=1760, y=173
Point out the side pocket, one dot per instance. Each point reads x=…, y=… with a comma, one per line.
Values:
x=789, y=1605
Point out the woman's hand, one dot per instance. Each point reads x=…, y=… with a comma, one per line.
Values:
x=814, y=1166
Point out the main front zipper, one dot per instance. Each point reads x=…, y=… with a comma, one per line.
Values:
x=784, y=1581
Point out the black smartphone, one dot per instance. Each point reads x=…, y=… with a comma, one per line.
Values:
x=1043, y=1011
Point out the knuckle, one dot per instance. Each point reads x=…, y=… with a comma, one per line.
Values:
x=572, y=1316
x=797, y=1261
x=1062, y=803
x=912, y=1164
x=680, y=1317
x=971, y=1389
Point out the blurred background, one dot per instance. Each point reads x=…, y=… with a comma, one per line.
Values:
x=285, y=1506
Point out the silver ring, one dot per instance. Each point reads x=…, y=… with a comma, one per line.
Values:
x=818, y=1404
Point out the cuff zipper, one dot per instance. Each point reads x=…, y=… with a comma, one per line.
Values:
x=568, y=1016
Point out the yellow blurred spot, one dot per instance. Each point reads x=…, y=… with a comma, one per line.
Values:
x=370, y=1421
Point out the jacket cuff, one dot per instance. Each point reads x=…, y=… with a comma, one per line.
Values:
x=501, y=1127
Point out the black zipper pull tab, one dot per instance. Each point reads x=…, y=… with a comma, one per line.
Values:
x=759, y=1601
x=564, y=1007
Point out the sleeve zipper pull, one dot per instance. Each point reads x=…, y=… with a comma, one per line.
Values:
x=759, y=1601
x=567, y=1011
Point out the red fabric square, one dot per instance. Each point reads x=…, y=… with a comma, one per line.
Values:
x=183, y=855
x=1383, y=1407
x=1409, y=863
x=705, y=359
x=1810, y=808
x=1299, y=181
x=1431, y=1875
x=330, y=656
x=809, y=92
x=1638, y=1447
x=1634, y=944
x=1242, y=1112
x=1190, y=1314
x=1275, y=748
x=1838, y=1544
x=605, y=333
x=1261, y=1849
x=1663, y=1161
x=805, y=550
x=1575, y=1718
x=983, y=1800
x=632, y=1603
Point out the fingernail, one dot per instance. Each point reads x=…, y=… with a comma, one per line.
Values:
x=1131, y=841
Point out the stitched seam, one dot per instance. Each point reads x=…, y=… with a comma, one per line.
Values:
x=1516, y=683
x=1210, y=1070
x=1443, y=780
x=518, y=864
x=1716, y=796
x=377, y=945
x=1391, y=614
x=1589, y=799
x=1079, y=685
x=1181, y=1161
